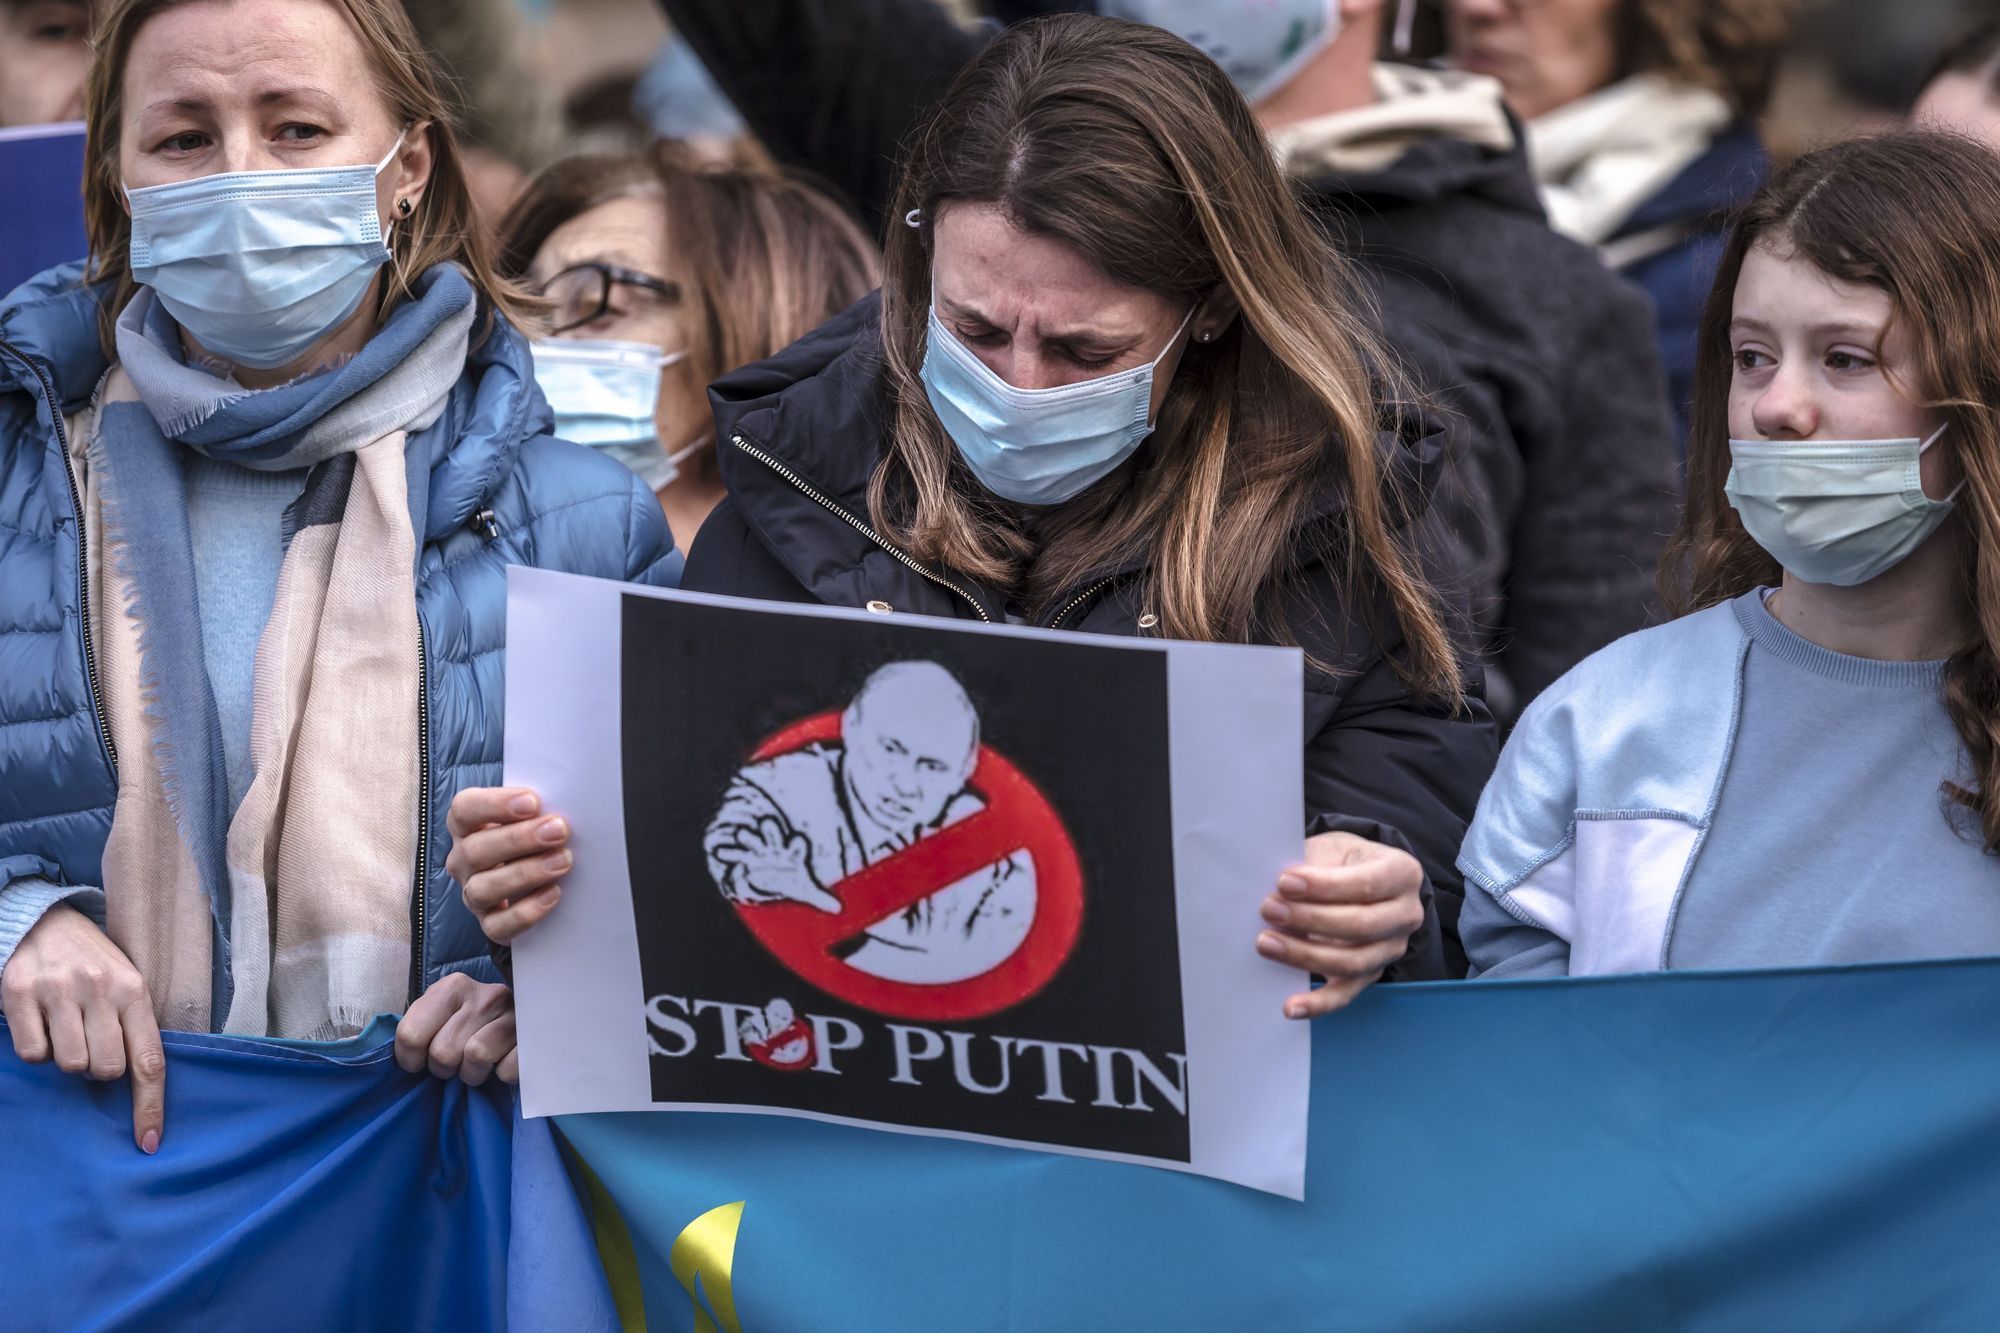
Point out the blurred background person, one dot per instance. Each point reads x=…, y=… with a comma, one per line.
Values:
x=1853, y=67
x=1561, y=458
x=666, y=272
x=1963, y=91
x=44, y=59
x=1641, y=130
x=507, y=120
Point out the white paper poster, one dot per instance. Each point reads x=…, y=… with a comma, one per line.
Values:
x=920, y=875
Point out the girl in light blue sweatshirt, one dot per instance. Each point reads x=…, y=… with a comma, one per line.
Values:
x=1804, y=768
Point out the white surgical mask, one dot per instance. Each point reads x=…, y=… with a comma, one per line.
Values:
x=1835, y=511
x=260, y=265
x=606, y=394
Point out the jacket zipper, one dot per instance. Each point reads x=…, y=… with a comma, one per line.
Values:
x=417, y=911
x=1080, y=599
x=82, y=553
x=855, y=523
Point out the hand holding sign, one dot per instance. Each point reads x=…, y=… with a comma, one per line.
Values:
x=1346, y=913
x=769, y=864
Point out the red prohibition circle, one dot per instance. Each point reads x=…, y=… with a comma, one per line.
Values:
x=1017, y=817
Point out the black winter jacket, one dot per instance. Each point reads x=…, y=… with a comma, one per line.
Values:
x=1563, y=456
x=799, y=436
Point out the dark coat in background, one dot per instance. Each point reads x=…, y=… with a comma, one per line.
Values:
x=1693, y=208
x=1563, y=465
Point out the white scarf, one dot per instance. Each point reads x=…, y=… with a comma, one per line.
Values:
x=1601, y=157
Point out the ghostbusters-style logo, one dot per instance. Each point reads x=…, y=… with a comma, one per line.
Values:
x=890, y=858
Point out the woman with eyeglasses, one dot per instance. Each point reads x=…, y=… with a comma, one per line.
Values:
x=665, y=272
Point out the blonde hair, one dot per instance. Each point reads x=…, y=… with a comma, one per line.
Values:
x=1127, y=144
x=441, y=230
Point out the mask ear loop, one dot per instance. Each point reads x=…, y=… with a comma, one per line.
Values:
x=1924, y=448
x=404, y=211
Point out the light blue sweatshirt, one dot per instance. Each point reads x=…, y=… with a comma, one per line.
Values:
x=1829, y=840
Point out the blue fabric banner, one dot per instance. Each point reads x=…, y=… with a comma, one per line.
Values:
x=1809, y=1149
x=296, y=1187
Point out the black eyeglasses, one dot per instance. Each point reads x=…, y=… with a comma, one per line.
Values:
x=582, y=293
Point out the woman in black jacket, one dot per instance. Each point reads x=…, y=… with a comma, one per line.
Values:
x=1104, y=389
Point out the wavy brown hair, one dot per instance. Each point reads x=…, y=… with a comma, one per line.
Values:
x=1730, y=47
x=761, y=256
x=1916, y=215
x=441, y=230
x=1133, y=148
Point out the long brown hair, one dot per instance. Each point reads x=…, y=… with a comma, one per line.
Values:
x=761, y=257
x=441, y=230
x=1127, y=144
x=1917, y=216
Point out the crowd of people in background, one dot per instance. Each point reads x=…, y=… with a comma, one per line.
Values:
x=1611, y=379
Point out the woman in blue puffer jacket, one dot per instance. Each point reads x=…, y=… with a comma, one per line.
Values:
x=261, y=472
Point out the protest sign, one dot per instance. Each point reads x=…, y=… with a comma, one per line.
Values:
x=980, y=881
x=42, y=225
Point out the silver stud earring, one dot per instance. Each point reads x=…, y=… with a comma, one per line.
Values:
x=1205, y=336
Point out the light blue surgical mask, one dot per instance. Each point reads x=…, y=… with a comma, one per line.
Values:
x=1835, y=511
x=259, y=265
x=1037, y=446
x=1260, y=44
x=606, y=394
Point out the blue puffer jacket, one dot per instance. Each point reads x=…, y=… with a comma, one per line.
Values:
x=503, y=492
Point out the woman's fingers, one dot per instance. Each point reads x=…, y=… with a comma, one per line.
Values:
x=459, y=1028
x=66, y=1035
x=1359, y=882
x=486, y=1048
x=510, y=1068
x=506, y=857
x=505, y=924
x=25, y=1021
x=474, y=853
x=427, y=1015
x=148, y=1063
x=104, y=1032
x=476, y=807
x=1333, y=961
x=1324, y=1000
x=1362, y=923
x=493, y=889
x=447, y=1049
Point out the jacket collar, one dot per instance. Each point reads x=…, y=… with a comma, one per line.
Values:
x=52, y=318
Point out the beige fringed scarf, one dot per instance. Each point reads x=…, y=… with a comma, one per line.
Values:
x=317, y=863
